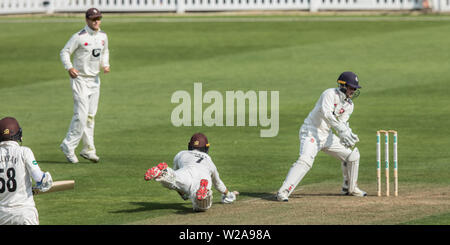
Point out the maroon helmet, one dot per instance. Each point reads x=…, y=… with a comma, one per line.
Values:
x=198, y=142
x=10, y=129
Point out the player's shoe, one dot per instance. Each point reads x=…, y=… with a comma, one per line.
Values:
x=357, y=192
x=202, y=191
x=282, y=196
x=90, y=156
x=70, y=156
x=156, y=171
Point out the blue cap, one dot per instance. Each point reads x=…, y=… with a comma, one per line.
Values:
x=349, y=78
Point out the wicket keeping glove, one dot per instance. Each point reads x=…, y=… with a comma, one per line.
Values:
x=229, y=197
x=347, y=137
x=350, y=141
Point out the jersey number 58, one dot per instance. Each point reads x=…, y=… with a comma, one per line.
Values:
x=10, y=182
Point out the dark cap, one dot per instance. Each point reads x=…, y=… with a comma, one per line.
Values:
x=93, y=13
x=198, y=140
x=349, y=78
x=9, y=127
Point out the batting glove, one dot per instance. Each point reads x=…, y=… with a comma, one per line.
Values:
x=46, y=182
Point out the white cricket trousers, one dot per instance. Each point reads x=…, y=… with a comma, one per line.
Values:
x=19, y=216
x=86, y=93
x=310, y=145
x=188, y=181
x=188, y=178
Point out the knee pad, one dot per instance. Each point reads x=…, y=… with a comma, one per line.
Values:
x=295, y=175
x=304, y=162
x=354, y=155
x=353, y=169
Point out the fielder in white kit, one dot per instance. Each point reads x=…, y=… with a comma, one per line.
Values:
x=193, y=175
x=332, y=111
x=17, y=167
x=90, y=54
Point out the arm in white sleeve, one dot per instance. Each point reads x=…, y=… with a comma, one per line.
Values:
x=344, y=118
x=43, y=180
x=327, y=109
x=67, y=51
x=31, y=165
x=105, y=56
x=217, y=182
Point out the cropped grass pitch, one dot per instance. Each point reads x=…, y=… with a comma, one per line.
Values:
x=402, y=66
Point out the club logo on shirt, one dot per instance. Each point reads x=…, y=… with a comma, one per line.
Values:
x=96, y=52
x=341, y=111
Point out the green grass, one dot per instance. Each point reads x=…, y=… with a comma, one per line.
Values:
x=402, y=66
x=431, y=220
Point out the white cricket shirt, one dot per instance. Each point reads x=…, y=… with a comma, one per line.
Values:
x=17, y=167
x=332, y=109
x=194, y=157
x=90, y=52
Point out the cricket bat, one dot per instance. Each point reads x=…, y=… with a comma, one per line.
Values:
x=61, y=185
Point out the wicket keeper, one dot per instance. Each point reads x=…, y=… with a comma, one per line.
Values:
x=332, y=111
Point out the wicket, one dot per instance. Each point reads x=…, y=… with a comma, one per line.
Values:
x=386, y=157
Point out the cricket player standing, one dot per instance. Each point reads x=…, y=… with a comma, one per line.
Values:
x=17, y=167
x=90, y=54
x=332, y=111
x=193, y=175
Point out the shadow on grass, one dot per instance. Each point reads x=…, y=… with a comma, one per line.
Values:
x=54, y=162
x=65, y=162
x=272, y=196
x=150, y=206
x=260, y=195
x=315, y=195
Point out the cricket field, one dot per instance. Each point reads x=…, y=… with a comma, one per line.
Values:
x=402, y=62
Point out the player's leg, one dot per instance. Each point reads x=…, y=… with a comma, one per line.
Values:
x=89, y=151
x=344, y=168
x=178, y=180
x=201, y=189
x=349, y=164
x=308, y=150
x=78, y=123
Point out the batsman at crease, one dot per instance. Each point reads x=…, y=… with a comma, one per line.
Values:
x=332, y=111
x=18, y=168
